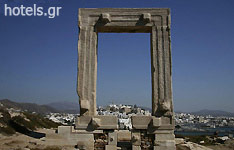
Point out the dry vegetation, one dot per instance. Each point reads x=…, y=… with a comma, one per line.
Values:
x=24, y=122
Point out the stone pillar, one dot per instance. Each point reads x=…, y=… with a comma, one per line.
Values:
x=161, y=71
x=87, y=70
x=162, y=86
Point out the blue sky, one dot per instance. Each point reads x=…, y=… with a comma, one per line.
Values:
x=38, y=55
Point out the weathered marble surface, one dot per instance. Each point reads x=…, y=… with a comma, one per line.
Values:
x=131, y=20
x=155, y=21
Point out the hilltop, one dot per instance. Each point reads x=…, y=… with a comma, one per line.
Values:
x=27, y=107
x=19, y=117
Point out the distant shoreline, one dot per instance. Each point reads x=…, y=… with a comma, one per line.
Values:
x=221, y=131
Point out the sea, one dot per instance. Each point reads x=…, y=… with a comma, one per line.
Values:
x=219, y=131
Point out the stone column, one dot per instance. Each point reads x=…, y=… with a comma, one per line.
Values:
x=161, y=71
x=87, y=70
x=162, y=87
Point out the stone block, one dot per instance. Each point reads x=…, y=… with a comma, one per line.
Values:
x=87, y=132
x=111, y=147
x=164, y=132
x=164, y=148
x=112, y=138
x=64, y=130
x=166, y=143
x=164, y=137
x=136, y=147
x=156, y=122
x=72, y=137
x=136, y=138
x=161, y=129
x=82, y=122
x=141, y=122
x=108, y=122
x=166, y=124
x=96, y=122
x=166, y=120
x=124, y=135
x=85, y=141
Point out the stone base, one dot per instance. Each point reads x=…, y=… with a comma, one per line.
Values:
x=164, y=137
x=82, y=140
x=165, y=145
x=85, y=142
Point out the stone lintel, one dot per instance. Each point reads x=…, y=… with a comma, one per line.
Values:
x=124, y=29
x=101, y=122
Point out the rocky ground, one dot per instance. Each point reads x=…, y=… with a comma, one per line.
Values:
x=228, y=145
x=205, y=142
x=183, y=145
x=52, y=141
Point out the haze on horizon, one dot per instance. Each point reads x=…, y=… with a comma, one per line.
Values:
x=38, y=56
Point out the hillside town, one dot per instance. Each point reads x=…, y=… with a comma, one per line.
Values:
x=123, y=112
x=185, y=122
x=186, y=119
